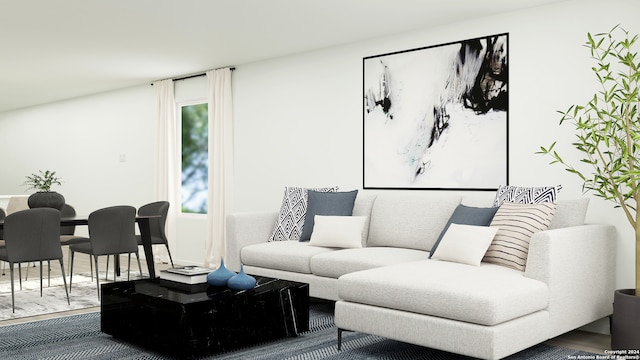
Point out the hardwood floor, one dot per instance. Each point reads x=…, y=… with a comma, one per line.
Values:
x=577, y=339
x=583, y=340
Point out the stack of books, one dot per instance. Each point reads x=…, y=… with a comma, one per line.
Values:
x=187, y=276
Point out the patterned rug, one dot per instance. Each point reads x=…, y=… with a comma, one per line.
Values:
x=54, y=299
x=79, y=337
x=28, y=301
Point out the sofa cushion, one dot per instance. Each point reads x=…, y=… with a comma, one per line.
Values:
x=485, y=295
x=362, y=207
x=281, y=255
x=292, y=213
x=570, y=213
x=465, y=244
x=338, y=231
x=467, y=215
x=517, y=223
x=337, y=263
x=409, y=220
x=326, y=203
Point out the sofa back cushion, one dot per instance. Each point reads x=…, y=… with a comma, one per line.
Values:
x=362, y=207
x=570, y=213
x=409, y=220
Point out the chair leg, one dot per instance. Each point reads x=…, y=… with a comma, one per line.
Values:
x=170, y=258
x=106, y=272
x=129, y=266
x=40, y=278
x=139, y=266
x=20, y=273
x=64, y=279
x=91, y=266
x=13, y=299
x=71, y=268
x=95, y=259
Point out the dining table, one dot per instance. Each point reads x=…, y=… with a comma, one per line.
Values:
x=144, y=226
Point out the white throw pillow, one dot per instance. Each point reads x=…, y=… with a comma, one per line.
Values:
x=465, y=244
x=338, y=231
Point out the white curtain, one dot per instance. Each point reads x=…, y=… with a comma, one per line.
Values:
x=167, y=158
x=220, y=162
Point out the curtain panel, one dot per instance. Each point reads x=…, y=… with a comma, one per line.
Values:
x=167, y=161
x=220, y=162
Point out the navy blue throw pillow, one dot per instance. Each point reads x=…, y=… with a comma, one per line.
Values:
x=329, y=204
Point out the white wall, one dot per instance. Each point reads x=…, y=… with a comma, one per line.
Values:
x=101, y=146
x=298, y=120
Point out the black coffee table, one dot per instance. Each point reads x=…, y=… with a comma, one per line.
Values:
x=198, y=320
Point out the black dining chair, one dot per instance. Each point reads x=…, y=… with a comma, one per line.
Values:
x=111, y=232
x=32, y=235
x=67, y=232
x=156, y=224
x=2, y=216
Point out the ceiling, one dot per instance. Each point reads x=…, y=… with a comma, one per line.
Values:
x=55, y=50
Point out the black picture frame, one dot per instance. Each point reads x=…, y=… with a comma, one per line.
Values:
x=437, y=117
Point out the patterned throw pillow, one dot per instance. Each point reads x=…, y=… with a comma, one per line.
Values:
x=293, y=212
x=526, y=195
x=517, y=223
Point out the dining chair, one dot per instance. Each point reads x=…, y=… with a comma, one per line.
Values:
x=2, y=216
x=156, y=224
x=67, y=232
x=111, y=232
x=32, y=235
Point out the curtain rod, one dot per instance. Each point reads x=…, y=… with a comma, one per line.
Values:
x=196, y=75
x=193, y=76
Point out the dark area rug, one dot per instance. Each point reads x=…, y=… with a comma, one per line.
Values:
x=79, y=337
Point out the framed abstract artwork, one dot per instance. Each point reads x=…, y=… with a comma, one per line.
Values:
x=437, y=117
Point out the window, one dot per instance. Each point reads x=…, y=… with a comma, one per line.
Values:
x=195, y=157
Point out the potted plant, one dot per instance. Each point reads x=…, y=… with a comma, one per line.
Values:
x=44, y=197
x=608, y=138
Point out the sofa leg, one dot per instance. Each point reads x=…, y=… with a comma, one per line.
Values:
x=340, y=338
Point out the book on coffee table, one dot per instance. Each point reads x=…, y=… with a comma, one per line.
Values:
x=186, y=274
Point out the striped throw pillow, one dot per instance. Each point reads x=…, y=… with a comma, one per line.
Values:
x=516, y=224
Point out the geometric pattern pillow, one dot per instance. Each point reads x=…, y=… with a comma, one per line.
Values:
x=516, y=225
x=526, y=195
x=292, y=213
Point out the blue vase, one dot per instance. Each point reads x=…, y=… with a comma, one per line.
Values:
x=220, y=276
x=241, y=281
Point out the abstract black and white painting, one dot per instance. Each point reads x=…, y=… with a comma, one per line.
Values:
x=437, y=117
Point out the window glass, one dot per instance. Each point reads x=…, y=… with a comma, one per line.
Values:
x=195, y=157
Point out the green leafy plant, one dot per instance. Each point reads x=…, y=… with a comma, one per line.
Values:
x=43, y=181
x=608, y=129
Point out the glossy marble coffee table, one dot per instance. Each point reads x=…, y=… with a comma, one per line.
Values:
x=205, y=320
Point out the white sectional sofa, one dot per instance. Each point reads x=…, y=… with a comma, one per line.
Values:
x=391, y=288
